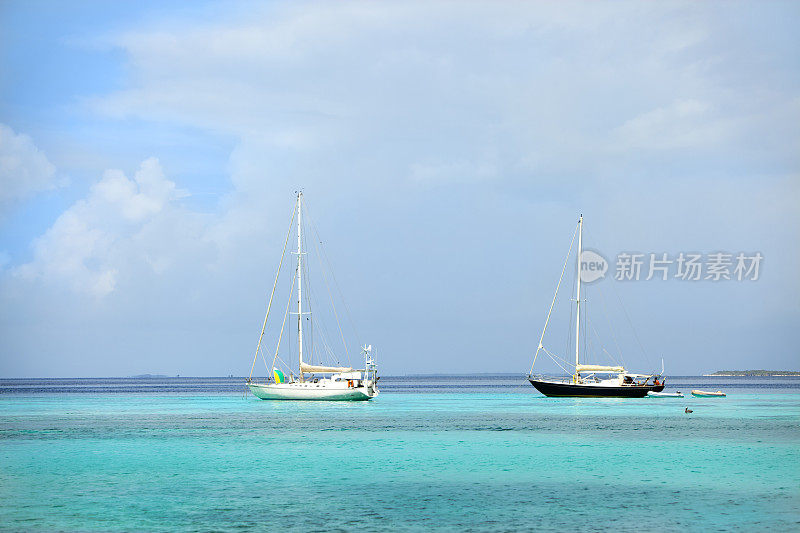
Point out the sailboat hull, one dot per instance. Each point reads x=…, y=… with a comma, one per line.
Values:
x=310, y=391
x=591, y=390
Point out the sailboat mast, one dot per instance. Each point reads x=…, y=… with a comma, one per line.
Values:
x=578, y=297
x=300, y=282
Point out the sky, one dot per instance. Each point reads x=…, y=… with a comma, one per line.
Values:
x=150, y=152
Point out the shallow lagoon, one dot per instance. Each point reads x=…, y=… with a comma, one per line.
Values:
x=433, y=452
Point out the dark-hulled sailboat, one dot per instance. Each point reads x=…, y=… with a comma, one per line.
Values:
x=590, y=380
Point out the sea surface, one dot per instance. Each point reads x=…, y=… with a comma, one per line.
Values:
x=450, y=453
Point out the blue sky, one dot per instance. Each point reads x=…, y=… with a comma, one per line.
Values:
x=149, y=152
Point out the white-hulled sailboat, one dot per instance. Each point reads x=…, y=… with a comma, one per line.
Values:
x=590, y=380
x=312, y=381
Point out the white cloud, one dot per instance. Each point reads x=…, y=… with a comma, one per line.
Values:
x=453, y=172
x=326, y=74
x=534, y=89
x=682, y=124
x=109, y=231
x=24, y=169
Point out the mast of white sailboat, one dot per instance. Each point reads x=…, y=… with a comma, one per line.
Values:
x=578, y=297
x=300, y=282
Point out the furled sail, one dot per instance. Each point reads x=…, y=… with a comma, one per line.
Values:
x=598, y=368
x=304, y=367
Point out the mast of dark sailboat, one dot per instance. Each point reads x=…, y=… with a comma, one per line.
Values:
x=578, y=300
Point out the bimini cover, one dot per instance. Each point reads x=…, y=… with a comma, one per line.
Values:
x=598, y=368
x=304, y=367
x=279, y=377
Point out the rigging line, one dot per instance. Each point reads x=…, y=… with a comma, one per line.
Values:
x=585, y=317
x=261, y=353
x=572, y=308
x=323, y=259
x=586, y=338
x=288, y=368
x=568, y=343
x=322, y=328
x=283, y=325
x=551, y=354
x=333, y=276
x=630, y=322
x=621, y=360
x=272, y=294
x=610, y=326
x=331, y=355
x=323, y=325
x=329, y=351
x=307, y=300
x=317, y=321
x=324, y=334
x=554, y=360
x=289, y=348
x=563, y=369
x=327, y=286
x=602, y=347
x=554, y=299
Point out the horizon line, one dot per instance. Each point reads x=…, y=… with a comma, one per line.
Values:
x=434, y=374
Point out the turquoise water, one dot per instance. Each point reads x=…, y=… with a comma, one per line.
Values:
x=451, y=453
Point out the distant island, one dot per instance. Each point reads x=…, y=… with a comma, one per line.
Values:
x=149, y=376
x=754, y=373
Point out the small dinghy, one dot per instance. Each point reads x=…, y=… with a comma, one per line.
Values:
x=707, y=394
x=654, y=394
